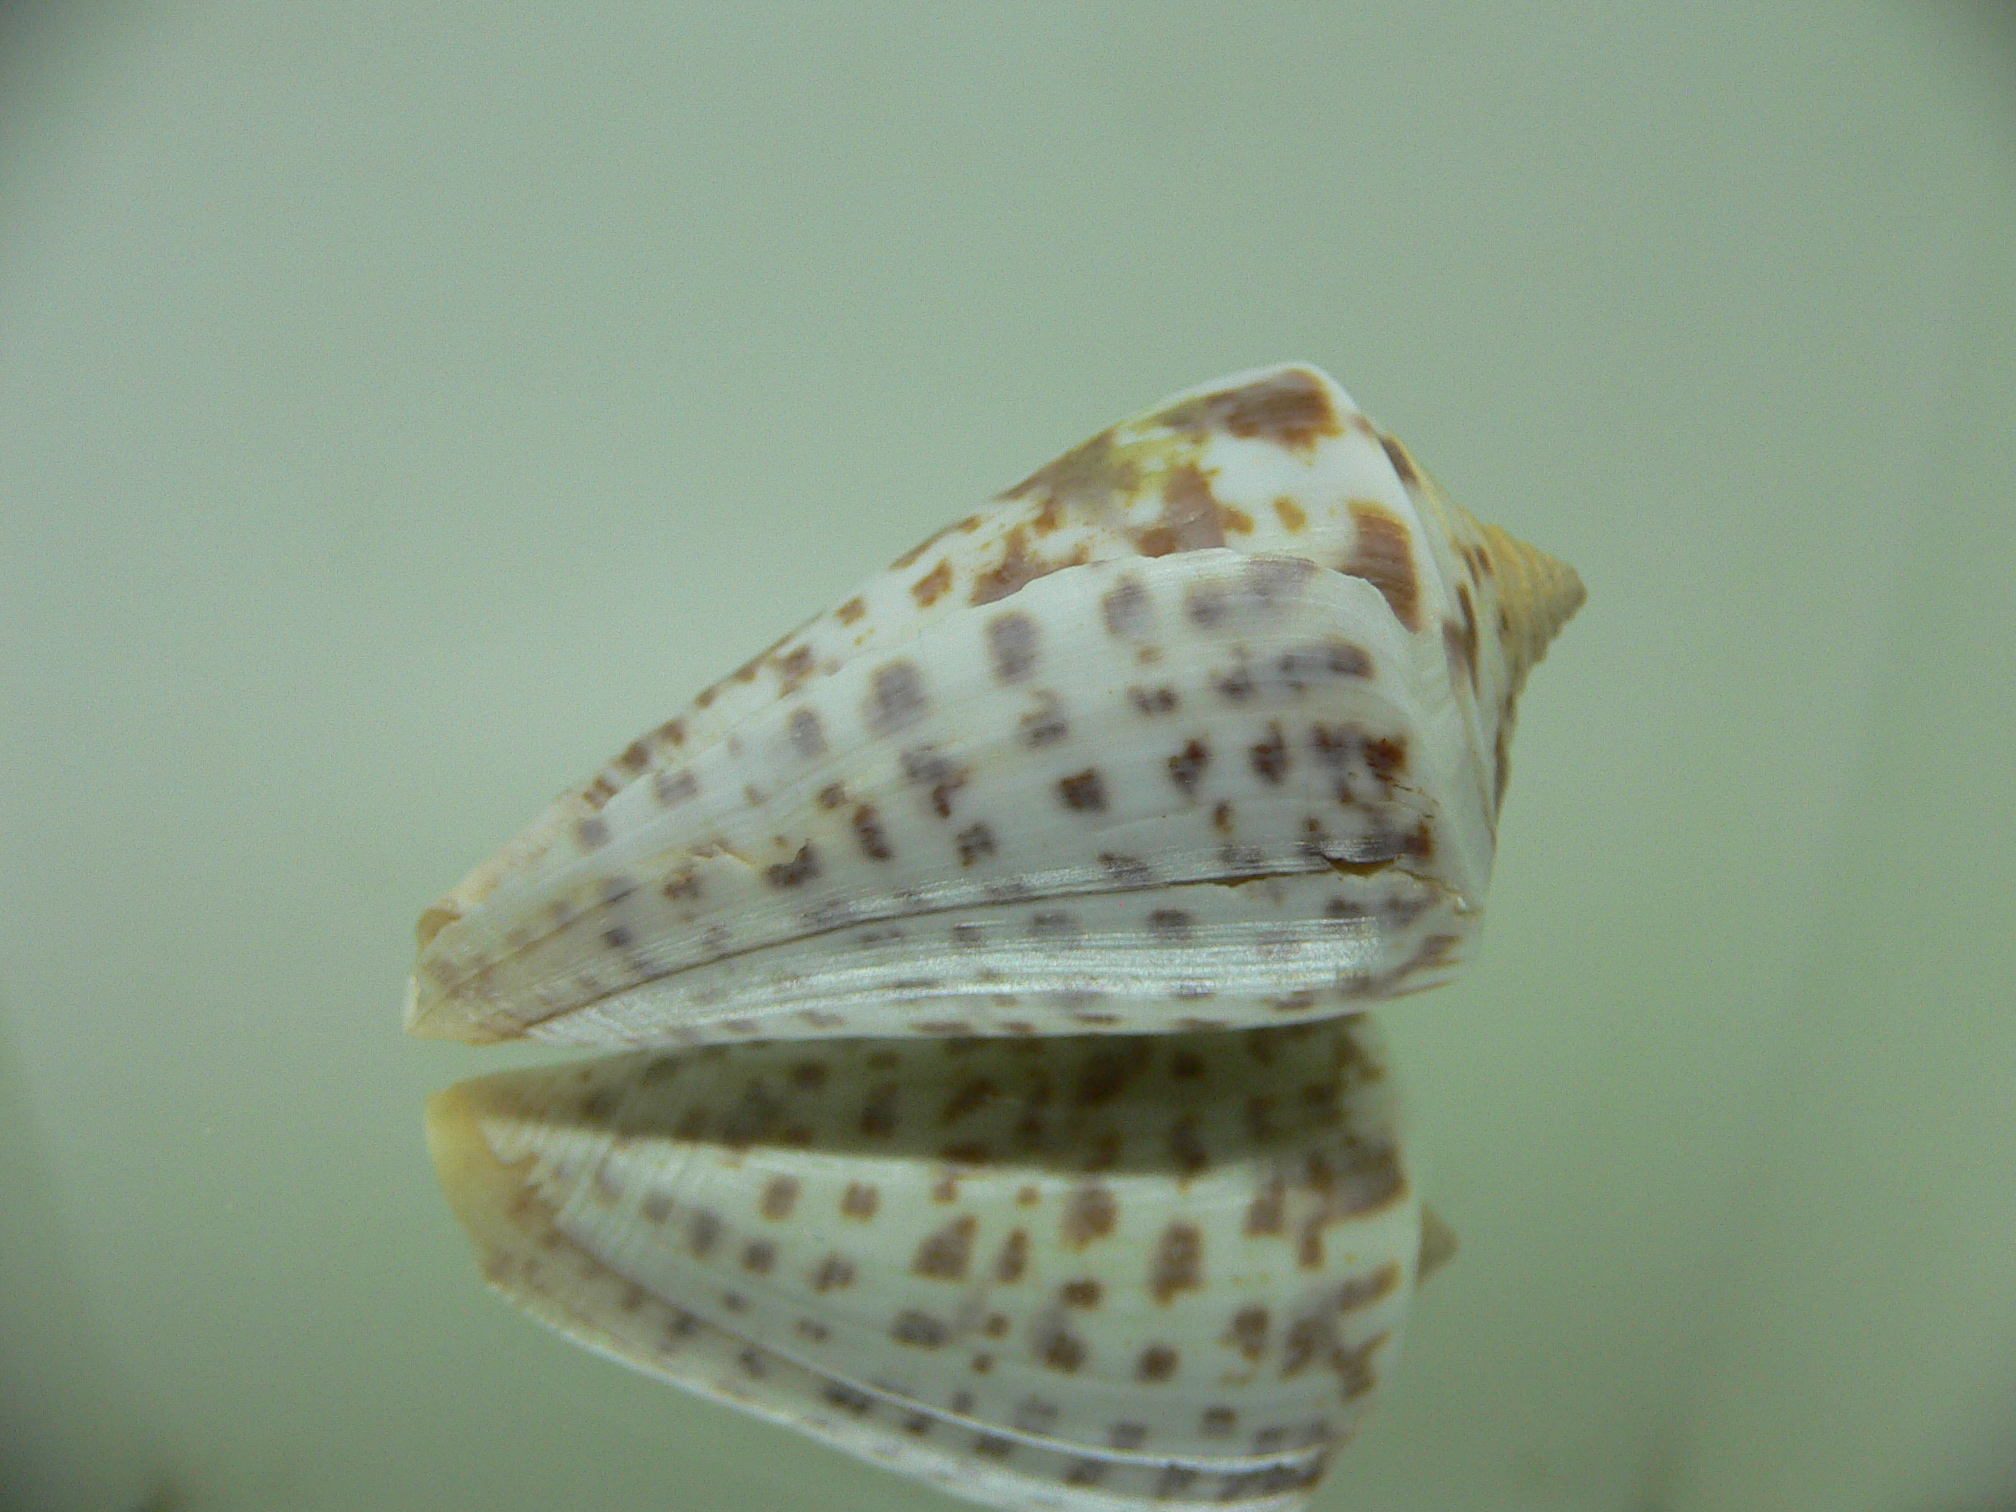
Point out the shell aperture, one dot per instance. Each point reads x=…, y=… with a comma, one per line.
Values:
x=1204, y=724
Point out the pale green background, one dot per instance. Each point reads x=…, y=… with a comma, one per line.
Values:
x=401, y=407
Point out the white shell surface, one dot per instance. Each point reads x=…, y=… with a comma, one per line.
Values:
x=1076, y=1273
x=1205, y=723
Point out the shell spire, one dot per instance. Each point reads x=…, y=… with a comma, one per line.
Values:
x=1540, y=594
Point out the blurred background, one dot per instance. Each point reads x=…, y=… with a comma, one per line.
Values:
x=401, y=407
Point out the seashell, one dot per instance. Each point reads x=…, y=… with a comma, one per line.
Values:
x=1204, y=724
x=1079, y=1272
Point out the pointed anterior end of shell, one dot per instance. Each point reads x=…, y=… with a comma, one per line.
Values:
x=424, y=1017
x=438, y=1016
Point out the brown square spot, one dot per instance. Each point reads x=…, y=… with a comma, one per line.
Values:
x=1083, y=790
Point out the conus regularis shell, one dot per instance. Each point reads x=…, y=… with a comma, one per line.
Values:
x=1080, y=1273
x=1205, y=723
x=1109, y=808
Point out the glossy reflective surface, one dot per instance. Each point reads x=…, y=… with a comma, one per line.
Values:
x=385, y=397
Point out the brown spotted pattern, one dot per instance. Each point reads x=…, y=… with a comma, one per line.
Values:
x=1290, y=726
x=1091, y=1244
x=1087, y=759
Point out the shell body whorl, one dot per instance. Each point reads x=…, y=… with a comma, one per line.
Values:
x=1204, y=724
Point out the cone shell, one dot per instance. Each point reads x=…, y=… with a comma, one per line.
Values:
x=1069, y=1273
x=1205, y=723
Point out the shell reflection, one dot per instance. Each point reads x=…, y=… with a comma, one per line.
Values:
x=1058, y=1272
